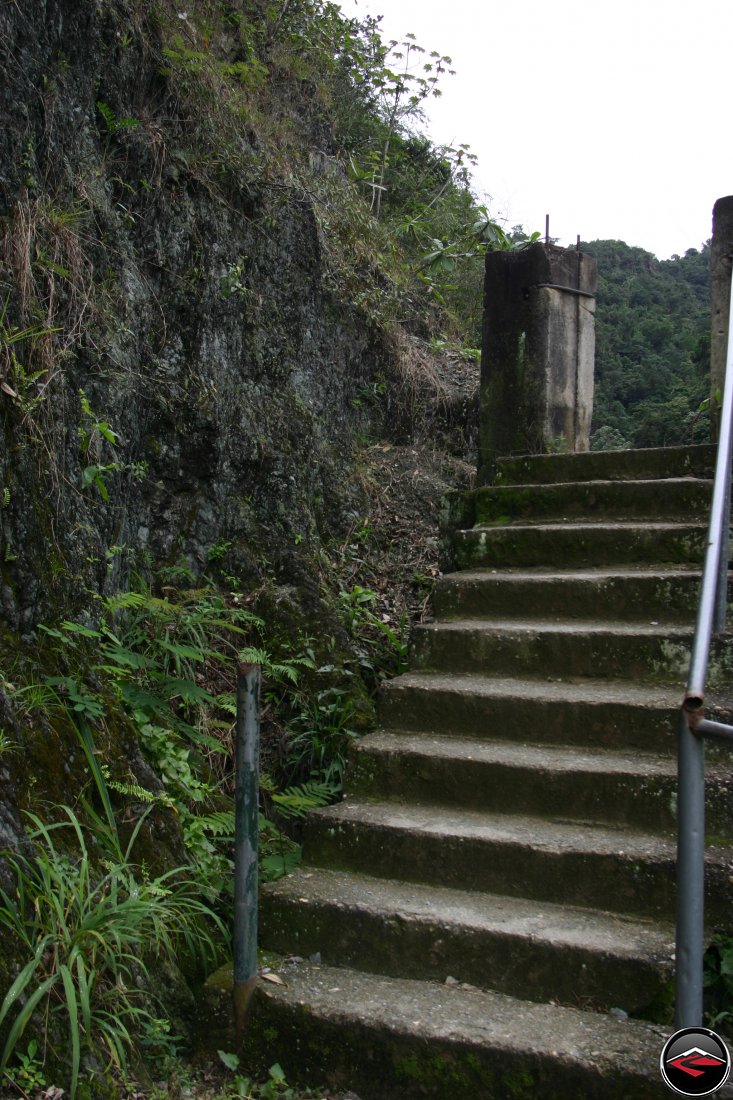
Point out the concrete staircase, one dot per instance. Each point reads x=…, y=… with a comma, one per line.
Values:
x=493, y=902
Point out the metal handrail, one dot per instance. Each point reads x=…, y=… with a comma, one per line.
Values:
x=693, y=727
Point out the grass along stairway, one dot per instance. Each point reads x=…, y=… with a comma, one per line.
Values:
x=491, y=907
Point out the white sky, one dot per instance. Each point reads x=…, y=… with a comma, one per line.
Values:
x=615, y=117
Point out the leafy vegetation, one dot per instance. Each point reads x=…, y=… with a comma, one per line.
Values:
x=652, y=347
x=89, y=921
x=85, y=911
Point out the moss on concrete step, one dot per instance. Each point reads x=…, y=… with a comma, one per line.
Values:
x=579, y=545
x=655, y=462
x=682, y=499
x=633, y=789
x=610, y=714
x=608, y=650
x=390, y=1039
x=591, y=865
x=636, y=595
x=506, y=944
x=603, y=714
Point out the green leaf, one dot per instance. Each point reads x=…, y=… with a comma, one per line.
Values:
x=23, y=1017
x=19, y=985
x=231, y=1061
x=277, y=1074
x=77, y=628
x=73, y=1015
x=179, y=649
x=276, y=866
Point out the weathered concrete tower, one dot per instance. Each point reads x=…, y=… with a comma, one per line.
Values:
x=538, y=351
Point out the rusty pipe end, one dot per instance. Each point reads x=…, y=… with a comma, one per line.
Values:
x=693, y=707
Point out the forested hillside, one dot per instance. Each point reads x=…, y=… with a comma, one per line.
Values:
x=652, y=347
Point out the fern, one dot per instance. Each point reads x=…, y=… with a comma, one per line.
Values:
x=140, y=794
x=278, y=671
x=219, y=824
x=228, y=703
x=295, y=802
x=112, y=122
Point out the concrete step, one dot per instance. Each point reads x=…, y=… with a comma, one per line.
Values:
x=652, y=463
x=579, y=545
x=681, y=499
x=595, y=866
x=589, y=784
x=554, y=710
x=397, y=1039
x=576, y=956
x=608, y=650
x=666, y=595
x=560, y=710
x=505, y=777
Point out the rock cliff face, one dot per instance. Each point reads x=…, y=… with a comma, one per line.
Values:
x=192, y=360
x=185, y=367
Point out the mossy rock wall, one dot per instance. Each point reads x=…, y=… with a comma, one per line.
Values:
x=184, y=271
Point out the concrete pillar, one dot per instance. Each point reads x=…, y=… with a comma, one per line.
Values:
x=721, y=265
x=538, y=350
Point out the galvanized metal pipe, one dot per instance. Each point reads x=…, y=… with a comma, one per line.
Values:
x=691, y=752
x=715, y=729
x=690, y=876
x=721, y=600
x=718, y=538
x=246, y=819
x=721, y=608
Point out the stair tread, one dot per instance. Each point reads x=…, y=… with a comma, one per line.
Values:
x=546, y=922
x=512, y=574
x=591, y=483
x=559, y=758
x=585, y=525
x=541, y=834
x=560, y=626
x=576, y=690
x=434, y=1012
x=654, y=463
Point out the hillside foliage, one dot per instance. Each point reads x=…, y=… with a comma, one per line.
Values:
x=652, y=347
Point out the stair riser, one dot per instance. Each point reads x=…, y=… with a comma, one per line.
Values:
x=668, y=462
x=610, y=881
x=674, y=500
x=390, y=1064
x=561, y=655
x=504, y=547
x=405, y=947
x=606, y=725
x=636, y=599
x=598, y=724
x=648, y=803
